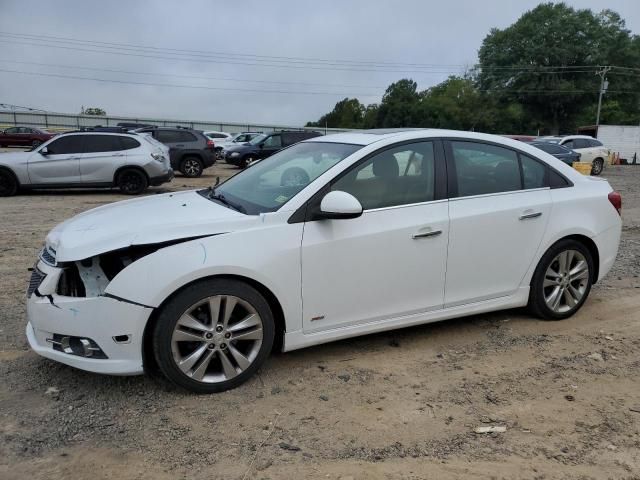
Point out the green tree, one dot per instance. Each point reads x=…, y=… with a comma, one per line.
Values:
x=93, y=111
x=400, y=105
x=347, y=113
x=547, y=60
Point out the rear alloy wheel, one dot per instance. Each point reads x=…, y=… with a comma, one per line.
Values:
x=191, y=167
x=132, y=182
x=8, y=184
x=213, y=336
x=562, y=281
x=597, y=166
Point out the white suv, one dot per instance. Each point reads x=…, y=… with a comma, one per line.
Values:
x=127, y=161
x=591, y=150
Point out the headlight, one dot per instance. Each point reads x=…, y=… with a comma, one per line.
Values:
x=235, y=154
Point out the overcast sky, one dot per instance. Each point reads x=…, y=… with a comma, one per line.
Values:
x=228, y=47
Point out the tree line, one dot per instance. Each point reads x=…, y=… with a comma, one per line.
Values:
x=539, y=75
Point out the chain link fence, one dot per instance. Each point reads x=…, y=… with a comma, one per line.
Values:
x=58, y=122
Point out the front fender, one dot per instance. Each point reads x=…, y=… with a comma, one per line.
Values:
x=153, y=278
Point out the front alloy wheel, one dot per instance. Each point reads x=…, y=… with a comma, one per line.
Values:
x=562, y=280
x=191, y=167
x=213, y=336
x=597, y=166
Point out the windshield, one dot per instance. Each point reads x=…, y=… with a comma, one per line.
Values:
x=269, y=184
x=257, y=139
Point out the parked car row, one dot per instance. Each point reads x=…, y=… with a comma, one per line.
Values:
x=24, y=137
x=128, y=161
x=262, y=146
x=571, y=148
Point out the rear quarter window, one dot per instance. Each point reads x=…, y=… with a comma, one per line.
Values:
x=129, y=143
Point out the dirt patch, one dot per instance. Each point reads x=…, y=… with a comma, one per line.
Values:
x=398, y=405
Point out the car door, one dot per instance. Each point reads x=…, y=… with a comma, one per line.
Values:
x=270, y=145
x=102, y=155
x=499, y=207
x=581, y=146
x=58, y=162
x=11, y=136
x=390, y=261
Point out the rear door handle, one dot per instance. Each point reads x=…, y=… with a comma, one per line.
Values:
x=432, y=233
x=528, y=215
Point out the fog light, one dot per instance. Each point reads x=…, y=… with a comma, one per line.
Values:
x=79, y=346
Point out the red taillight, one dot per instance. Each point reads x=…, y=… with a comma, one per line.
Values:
x=616, y=200
x=210, y=144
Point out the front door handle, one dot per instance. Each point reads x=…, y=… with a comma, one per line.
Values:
x=528, y=215
x=432, y=233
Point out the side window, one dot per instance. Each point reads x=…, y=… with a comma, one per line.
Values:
x=25, y=130
x=273, y=141
x=185, y=137
x=217, y=135
x=166, y=136
x=66, y=144
x=482, y=168
x=101, y=143
x=128, y=143
x=12, y=130
x=398, y=176
x=580, y=143
x=595, y=143
x=533, y=173
x=569, y=144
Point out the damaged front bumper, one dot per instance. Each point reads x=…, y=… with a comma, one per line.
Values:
x=100, y=334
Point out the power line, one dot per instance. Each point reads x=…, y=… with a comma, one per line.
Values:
x=255, y=57
x=290, y=92
x=274, y=58
x=275, y=62
x=201, y=87
x=155, y=74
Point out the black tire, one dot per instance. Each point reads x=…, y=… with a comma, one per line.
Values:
x=537, y=304
x=36, y=144
x=131, y=181
x=597, y=166
x=191, y=167
x=294, y=176
x=8, y=183
x=244, y=163
x=174, y=309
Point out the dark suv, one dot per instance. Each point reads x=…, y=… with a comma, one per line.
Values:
x=263, y=146
x=190, y=150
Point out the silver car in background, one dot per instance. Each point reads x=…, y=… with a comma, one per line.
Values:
x=128, y=161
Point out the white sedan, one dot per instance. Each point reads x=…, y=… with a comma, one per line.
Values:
x=365, y=232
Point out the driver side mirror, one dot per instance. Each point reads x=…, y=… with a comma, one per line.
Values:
x=339, y=205
x=44, y=151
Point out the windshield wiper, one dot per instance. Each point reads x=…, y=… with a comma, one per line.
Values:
x=222, y=199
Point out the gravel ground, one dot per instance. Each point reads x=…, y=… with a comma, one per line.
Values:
x=400, y=405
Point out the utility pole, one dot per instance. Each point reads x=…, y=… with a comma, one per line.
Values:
x=604, y=84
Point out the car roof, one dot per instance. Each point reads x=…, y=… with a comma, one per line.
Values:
x=567, y=137
x=366, y=137
x=98, y=132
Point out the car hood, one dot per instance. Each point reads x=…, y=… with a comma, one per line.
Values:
x=143, y=221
